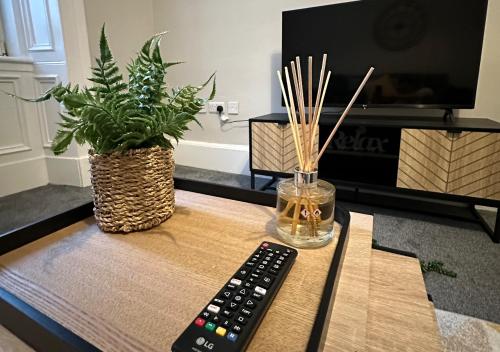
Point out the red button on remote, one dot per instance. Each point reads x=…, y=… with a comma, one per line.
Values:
x=265, y=244
x=199, y=322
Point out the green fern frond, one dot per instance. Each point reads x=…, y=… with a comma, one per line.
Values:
x=114, y=116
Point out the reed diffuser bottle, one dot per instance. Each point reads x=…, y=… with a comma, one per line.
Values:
x=305, y=210
x=305, y=206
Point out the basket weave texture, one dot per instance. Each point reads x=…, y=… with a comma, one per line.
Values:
x=134, y=190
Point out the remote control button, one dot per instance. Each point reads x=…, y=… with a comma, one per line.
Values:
x=285, y=255
x=233, y=306
x=236, y=328
x=255, y=275
x=277, y=251
x=242, y=273
x=265, y=262
x=220, y=331
x=288, y=251
x=226, y=323
x=205, y=315
x=216, y=319
x=261, y=267
x=232, y=336
x=253, y=280
x=243, y=291
x=226, y=294
x=260, y=290
x=218, y=301
x=255, y=259
x=276, y=267
x=231, y=287
x=248, y=285
x=245, y=312
x=265, y=244
x=199, y=322
x=273, y=271
x=242, y=320
x=281, y=257
x=279, y=262
x=235, y=282
x=213, y=308
x=270, y=254
x=250, y=304
x=266, y=281
x=267, y=258
x=227, y=313
x=210, y=326
x=256, y=296
x=258, y=272
x=237, y=299
x=250, y=264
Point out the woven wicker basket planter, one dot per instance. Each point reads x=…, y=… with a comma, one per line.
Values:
x=133, y=190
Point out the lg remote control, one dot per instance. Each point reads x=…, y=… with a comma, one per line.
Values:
x=231, y=318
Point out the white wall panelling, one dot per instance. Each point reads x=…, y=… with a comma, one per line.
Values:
x=37, y=25
x=13, y=130
x=48, y=109
x=34, y=30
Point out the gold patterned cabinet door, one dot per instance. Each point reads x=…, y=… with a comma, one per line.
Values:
x=424, y=159
x=273, y=148
x=466, y=163
x=290, y=160
x=267, y=146
x=475, y=165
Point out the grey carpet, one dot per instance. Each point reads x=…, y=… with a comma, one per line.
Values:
x=218, y=177
x=39, y=203
x=463, y=247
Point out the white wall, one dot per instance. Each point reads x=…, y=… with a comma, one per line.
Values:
x=488, y=96
x=242, y=41
x=129, y=23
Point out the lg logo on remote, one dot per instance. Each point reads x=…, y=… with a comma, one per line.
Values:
x=201, y=341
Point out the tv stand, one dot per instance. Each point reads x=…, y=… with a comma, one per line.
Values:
x=448, y=115
x=394, y=160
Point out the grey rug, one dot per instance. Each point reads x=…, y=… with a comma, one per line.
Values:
x=463, y=247
x=23, y=208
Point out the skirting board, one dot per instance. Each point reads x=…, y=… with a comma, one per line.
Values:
x=232, y=158
x=22, y=175
x=73, y=171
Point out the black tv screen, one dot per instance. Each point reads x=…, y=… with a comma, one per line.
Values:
x=426, y=53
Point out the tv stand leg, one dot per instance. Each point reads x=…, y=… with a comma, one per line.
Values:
x=448, y=115
x=494, y=233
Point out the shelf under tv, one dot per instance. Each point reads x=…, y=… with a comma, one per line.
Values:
x=398, y=156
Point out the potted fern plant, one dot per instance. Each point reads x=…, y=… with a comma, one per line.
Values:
x=129, y=127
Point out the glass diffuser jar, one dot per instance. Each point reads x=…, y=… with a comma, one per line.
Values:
x=305, y=210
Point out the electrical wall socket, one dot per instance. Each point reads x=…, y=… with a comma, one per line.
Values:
x=212, y=106
x=233, y=107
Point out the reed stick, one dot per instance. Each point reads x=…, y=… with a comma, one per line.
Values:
x=300, y=106
x=292, y=123
x=344, y=114
x=294, y=117
x=320, y=107
x=310, y=108
x=317, y=111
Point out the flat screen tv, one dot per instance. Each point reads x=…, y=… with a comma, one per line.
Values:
x=426, y=53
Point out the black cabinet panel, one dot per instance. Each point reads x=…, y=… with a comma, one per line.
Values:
x=364, y=154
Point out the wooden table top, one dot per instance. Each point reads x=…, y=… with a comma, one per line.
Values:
x=138, y=292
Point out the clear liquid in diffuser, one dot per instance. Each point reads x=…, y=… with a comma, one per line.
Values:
x=305, y=216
